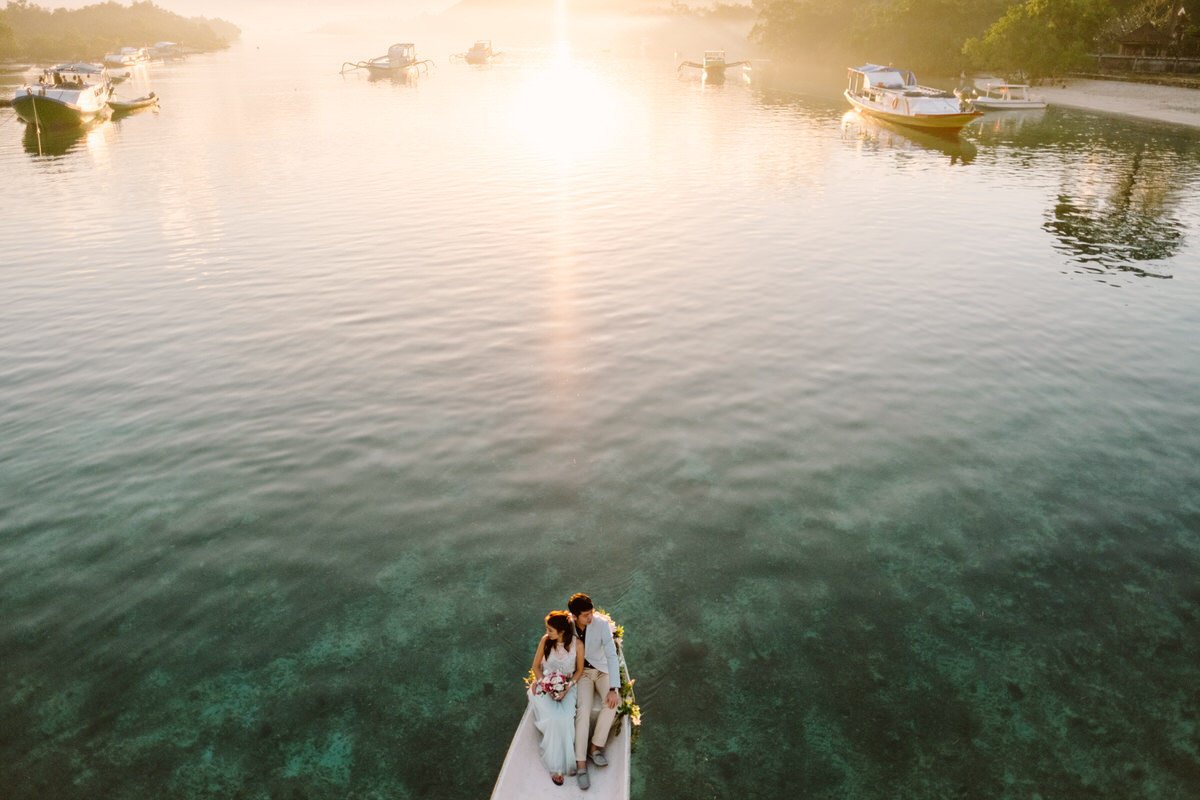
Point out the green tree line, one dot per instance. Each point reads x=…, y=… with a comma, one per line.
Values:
x=1036, y=38
x=28, y=31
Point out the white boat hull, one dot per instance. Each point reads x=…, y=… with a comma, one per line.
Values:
x=902, y=114
x=524, y=778
x=1006, y=105
x=384, y=71
x=992, y=95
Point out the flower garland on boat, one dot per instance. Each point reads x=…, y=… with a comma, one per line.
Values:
x=628, y=708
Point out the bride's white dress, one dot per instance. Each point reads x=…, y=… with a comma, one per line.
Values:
x=555, y=719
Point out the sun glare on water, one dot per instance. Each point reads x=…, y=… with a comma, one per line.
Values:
x=565, y=111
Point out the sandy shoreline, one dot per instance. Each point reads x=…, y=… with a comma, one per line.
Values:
x=1163, y=103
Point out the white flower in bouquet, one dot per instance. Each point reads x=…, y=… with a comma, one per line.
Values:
x=554, y=683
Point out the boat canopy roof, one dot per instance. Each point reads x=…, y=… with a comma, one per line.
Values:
x=80, y=67
x=887, y=77
x=404, y=51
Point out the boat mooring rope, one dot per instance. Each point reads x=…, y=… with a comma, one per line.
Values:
x=37, y=123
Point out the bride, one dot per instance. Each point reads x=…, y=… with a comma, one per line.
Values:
x=557, y=666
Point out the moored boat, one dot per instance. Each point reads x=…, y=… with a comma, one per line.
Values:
x=126, y=106
x=480, y=53
x=400, y=62
x=166, y=50
x=714, y=66
x=894, y=95
x=66, y=96
x=1004, y=96
x=522, y=777
x=126, y=57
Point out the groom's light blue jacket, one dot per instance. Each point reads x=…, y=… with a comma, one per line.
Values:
x=601, y=651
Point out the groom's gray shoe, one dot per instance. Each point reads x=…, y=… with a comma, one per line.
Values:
x=599, y=758
x=582, y=777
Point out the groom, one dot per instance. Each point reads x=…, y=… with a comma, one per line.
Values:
x=601, y=678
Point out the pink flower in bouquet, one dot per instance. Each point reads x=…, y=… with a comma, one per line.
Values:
x=554, y=683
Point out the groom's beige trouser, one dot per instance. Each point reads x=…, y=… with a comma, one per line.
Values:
x=592, y=688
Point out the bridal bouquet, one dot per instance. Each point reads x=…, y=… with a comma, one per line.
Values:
x=554, y=683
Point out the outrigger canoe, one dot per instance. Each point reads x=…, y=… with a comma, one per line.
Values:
x=400, y=62
x=523, y=777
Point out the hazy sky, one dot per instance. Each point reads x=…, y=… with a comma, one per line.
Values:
x=285, y=14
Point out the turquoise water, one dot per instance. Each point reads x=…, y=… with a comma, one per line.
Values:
x=317, y=393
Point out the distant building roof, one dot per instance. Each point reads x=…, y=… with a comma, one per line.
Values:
x=1147, y=34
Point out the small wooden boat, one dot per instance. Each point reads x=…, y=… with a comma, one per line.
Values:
x=714, y=66
x=480, y=53
x=894, y=95
x=523, y=777
x=125, y=106
x=400, y=62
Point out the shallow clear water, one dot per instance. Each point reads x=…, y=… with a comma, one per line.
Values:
x=316, y=393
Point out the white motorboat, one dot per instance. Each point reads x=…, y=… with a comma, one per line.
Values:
x=66, y=96
x=1004, y=96
x=400, y=62
x=522, y=777
x=894, y=95
x=166, y=50
x=127, y=57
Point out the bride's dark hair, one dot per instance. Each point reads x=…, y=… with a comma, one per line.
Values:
x=561, y=622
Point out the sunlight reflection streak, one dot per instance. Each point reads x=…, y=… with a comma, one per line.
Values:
x=565, y=112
